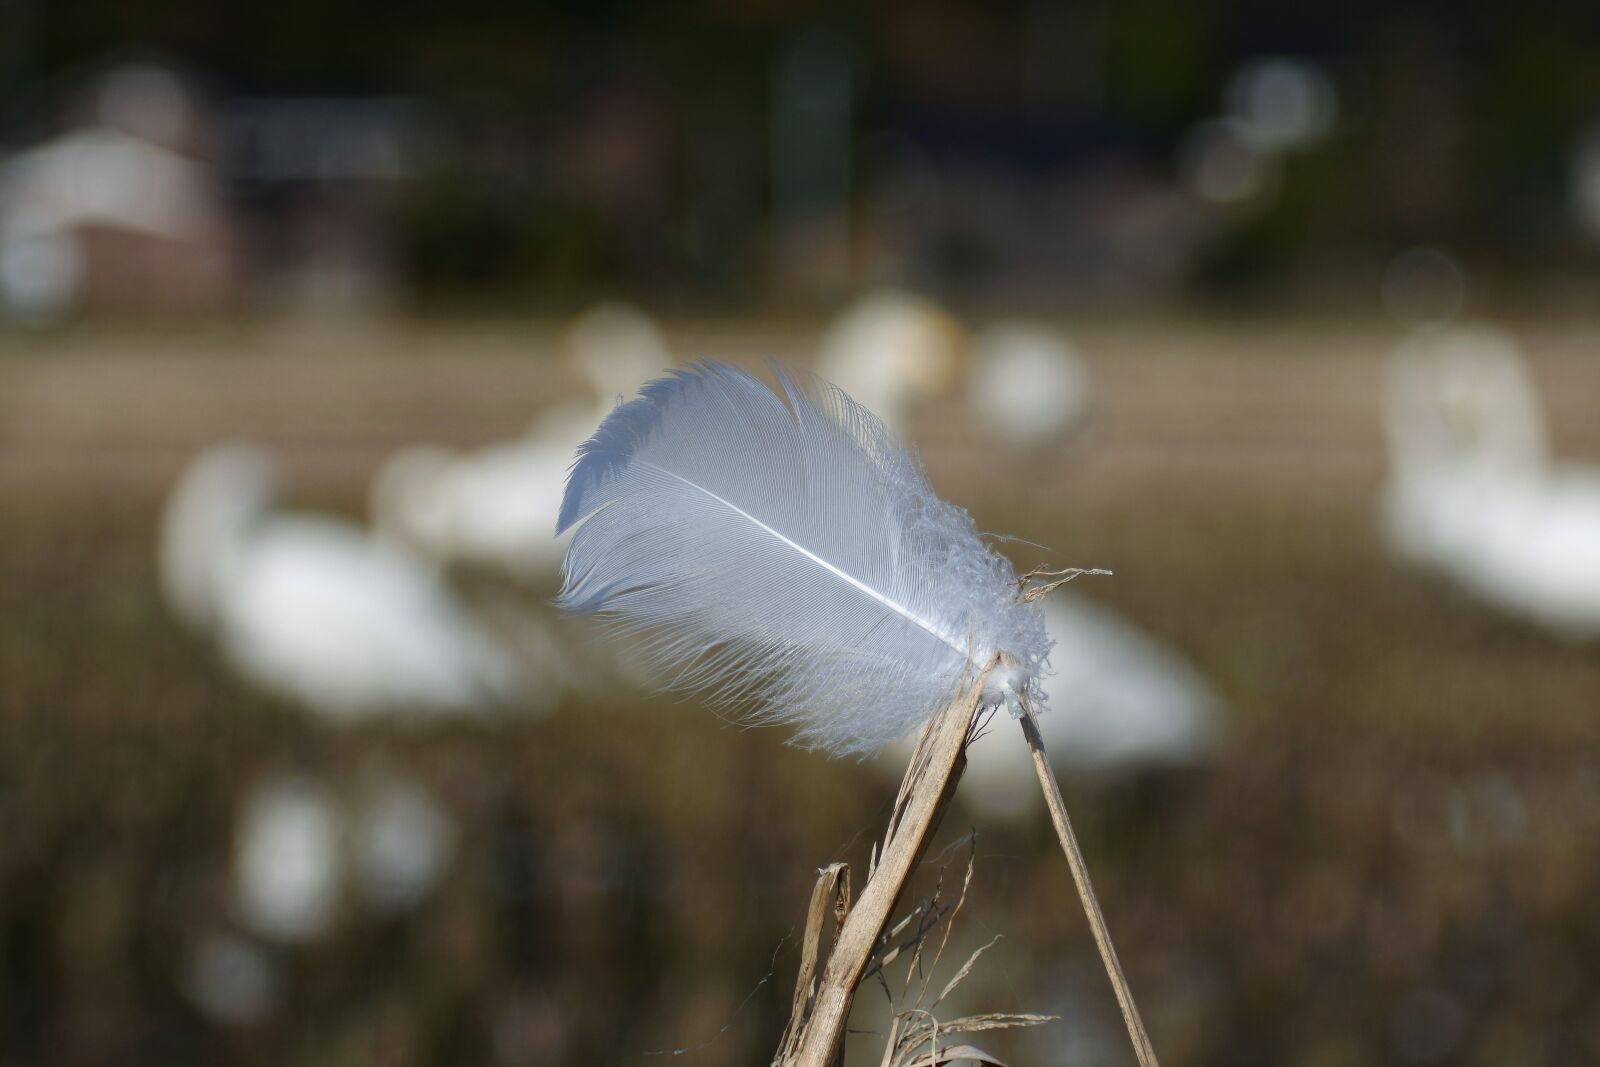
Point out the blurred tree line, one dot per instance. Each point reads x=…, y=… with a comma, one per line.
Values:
x=610, y=144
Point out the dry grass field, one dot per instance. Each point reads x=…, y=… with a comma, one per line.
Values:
x=1395, y=859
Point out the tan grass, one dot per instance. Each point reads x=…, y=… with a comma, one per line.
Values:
x=863, y=934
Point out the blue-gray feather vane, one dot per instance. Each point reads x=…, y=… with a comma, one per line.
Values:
x=784, y=548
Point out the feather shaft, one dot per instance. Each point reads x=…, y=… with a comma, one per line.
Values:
x=887, y=601
x=781, y=546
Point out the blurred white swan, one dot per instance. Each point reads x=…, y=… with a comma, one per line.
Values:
x=402, y=841
x=497, y=506
x=233, y=980
x=890, y=349
x=1117, y=700
x=288, y=860
x=1471, y=491
x=1028, y=383
x=315, y=609
x=298, y=848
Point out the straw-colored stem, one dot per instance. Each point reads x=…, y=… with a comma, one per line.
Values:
x=927, y=788
x=1080, y=876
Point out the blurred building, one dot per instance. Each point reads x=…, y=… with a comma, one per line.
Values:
x=773, y=153
x=120, y=211
x=316, y=181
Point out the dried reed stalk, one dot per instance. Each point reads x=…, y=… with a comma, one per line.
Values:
x=830, y=894
x=815, y=1040
x=817, y=1024
x=1080, y=877
x=919, y=1036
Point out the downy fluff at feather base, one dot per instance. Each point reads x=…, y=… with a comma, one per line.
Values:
x=782, y=547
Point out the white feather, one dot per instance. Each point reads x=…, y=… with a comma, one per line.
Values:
x=786, y=547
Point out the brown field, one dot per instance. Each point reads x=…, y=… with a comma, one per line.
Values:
x=1396, y=859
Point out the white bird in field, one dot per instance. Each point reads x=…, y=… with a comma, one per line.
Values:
x=1028, y=383
x=288, y=860
x=497, y=506
x=1116, y=700
x=402, y=839
x=315, y=609
x=1472, y=492
x=890, y=349
x=299, y=848
x=231, y=979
